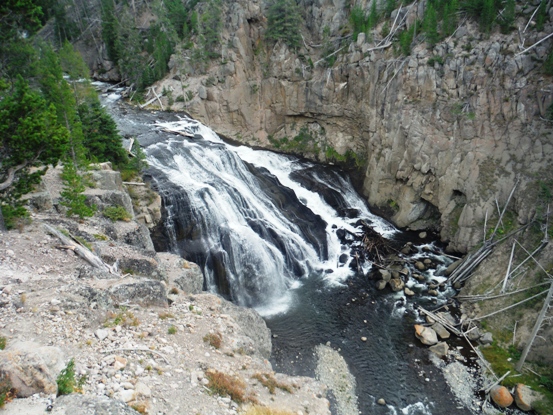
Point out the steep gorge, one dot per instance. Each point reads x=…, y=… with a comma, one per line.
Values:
x=442, y=133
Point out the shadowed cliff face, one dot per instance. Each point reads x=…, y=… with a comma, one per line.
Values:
x=442, y=132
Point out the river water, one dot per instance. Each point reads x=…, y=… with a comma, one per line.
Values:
x=265, y=228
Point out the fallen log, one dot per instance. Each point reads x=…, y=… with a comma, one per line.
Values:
x=74, y=245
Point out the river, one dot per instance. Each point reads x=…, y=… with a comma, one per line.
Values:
x=265, y=228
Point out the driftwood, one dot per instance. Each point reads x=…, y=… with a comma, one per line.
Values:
x=135, y=183
x=441, y=320
x=535, y=44
x=508, y=308
x=476, y=298
x=537, y=326
x=80, y=250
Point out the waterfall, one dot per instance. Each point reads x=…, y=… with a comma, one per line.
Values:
x=257, y=222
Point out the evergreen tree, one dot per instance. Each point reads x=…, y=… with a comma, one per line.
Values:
x=508, y=17
x=72, y=195
x=541, y=15
x=430, y=25
x=487, y=17
x=373, y=16
x=110, y=33
x=284, y=22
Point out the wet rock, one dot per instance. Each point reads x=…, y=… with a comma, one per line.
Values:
x=441, y=331
x=440, y=349
x=525, y=397
x=426, y=335
x=381, y=402
x=408, y=292
x=380, y=285
x=433, y=292
x=501, y=396
x=396, y=284
x=32, y=368
x=420, y=266
x=386, y=275
x=343, y=258
x=452, y=267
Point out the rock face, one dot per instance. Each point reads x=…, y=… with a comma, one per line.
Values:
x=440, y=136
x=501, y=396
x=31, y=368
x=426, y=335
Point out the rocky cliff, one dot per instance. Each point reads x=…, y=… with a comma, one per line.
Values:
x=441, y=134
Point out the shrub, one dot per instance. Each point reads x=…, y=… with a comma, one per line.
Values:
x=172, y=330
x=225, y=385
x=269, y=381
x=67, y=382
x=116, y=213
x=6, y=391
x=2, y=342
x=123, y=318
x=214, y=339
x=72, y=194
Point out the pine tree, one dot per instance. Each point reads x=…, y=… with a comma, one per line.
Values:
x=284, y=22
x=430, y=25
x=487, y=17
x=508, y=17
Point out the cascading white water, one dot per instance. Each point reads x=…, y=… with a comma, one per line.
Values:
x=247, y=229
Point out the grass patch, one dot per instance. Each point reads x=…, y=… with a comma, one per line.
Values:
x=3, y=341
x=115, y=213
x=172, y=330
x=165, y=315
x=7, y=393
x=122, y=318
x=269, y=381
x=224, y=385
x=214, y=339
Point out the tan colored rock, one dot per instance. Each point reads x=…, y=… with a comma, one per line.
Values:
x=525, y=397
x=32, y=368
x=396, y=284
x=440, y=349
x=441, y=331
x=426, y=335
x=501, y=396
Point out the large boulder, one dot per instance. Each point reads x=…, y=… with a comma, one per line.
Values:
x=441, y=331
x=143, y=292
x=525, y=397
x=501, y=396
x=31, y=368
x=90, y=405
x=426, y=335
x=184, y=274
x=440, y=349
x=397, y=284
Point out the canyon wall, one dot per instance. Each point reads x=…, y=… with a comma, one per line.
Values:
x=442, y=133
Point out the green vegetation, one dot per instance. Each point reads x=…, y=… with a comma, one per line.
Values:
x=284, y=22
x=172, y=330
x=67, y=381
x=122, y=318
x=3, y=341
x=116, y=213
x=6, y=391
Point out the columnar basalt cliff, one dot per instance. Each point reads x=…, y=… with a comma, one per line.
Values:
x=441, y=133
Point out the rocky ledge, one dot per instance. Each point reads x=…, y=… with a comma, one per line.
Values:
x=143, y=338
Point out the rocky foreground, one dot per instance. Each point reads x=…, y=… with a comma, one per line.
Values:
x=143, y=337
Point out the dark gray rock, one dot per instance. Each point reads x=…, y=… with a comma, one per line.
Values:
x=441, y=331
x=440, y=349
x=380, y=285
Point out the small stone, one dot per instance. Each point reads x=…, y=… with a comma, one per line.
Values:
x=10, y=253
x=396, y=284
x=381, y=402
x=408, y=292
x=120, y=363
x=142, y=389
x=127, y=395
x=363, y=339
x=380, y=285
x=101, y=334
x=433, y=292
x=486, y=338
x=385, y=274
x=423, y=235
x=420, y=266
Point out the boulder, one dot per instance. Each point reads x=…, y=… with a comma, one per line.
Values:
x=386, y=275
x=143, y=292
x=501, y=396
x=441, y=331
x=486, y=338
x=90, y=405
x=408, y=292
x=525, y=397
x=380, y=285
x=426, y=335
x=420, y=266
x=397, y=284
x=440, y=349
x=184, y=274
x=31, y=368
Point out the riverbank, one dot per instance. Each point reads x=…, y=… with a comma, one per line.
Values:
x=144, y=336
